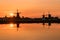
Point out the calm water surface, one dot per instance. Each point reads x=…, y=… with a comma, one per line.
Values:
x=30, y=32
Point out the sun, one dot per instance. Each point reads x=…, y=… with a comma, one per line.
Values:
x=11, y=14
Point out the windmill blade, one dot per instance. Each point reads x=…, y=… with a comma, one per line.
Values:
x=18, y=12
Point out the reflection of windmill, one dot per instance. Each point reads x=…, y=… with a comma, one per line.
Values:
x=17, y=19
x=17, y=26
x=43, y=16
x=48, y=17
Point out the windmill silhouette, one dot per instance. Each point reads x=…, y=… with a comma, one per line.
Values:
x=17, y=18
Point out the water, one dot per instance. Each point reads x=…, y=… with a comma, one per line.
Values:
x=30, y=32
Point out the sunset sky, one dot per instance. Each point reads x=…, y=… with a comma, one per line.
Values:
x=30, y=8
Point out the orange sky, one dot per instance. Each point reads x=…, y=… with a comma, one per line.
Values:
x=30, y=8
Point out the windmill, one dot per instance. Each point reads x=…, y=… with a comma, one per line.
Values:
x=17, y=14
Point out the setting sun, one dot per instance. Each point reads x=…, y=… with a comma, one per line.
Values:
x=11, y=14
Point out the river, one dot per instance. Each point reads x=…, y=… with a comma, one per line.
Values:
x=34, y=31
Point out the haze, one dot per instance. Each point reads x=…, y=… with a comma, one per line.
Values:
x=30, y=8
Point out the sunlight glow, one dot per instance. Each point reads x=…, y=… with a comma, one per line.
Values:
x=11, y=25
x=11, y=14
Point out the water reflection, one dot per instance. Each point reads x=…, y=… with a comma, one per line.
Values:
x=17, y=26
x=11, y=25
x=29, y=26
x=29, y=32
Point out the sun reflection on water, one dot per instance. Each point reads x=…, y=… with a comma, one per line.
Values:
x=11, y=26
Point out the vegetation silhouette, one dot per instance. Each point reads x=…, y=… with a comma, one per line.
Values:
x=17, y=19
